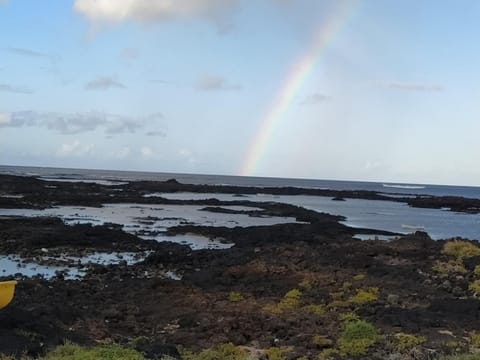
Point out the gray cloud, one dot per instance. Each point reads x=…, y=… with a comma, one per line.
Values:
x=15, y=89
x=124, y=124
x=156, y=133
x=218, y=12
x=76, y=123
x=215, y=83
x=314, y=99
x=415, y=86
x=104, y=83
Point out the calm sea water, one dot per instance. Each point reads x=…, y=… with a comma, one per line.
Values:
x=384, y=215
x=391, y=188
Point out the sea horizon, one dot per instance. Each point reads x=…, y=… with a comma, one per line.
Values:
x=45, y=170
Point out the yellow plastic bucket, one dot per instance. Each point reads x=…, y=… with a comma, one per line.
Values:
x=7, y=289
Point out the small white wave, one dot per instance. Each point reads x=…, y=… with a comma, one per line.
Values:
x=401, y=186
x=413, y=227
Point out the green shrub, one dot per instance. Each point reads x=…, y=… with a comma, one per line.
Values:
x=338, y=304
x=235, y=296
x=322, y=341
x=275, y=353
x=273, y=308
x=356, y=338
x=364, y=296
x=359, y=277
x=315, y=309
x=475, y=287
x=107, y=352
x=408, y=341
x=449, y=267
x=476, y=271
x=306, y=284
x=461, y=249
x=349, y=317
x=474, y=339
x=328, y=354
x=291, y=300
x=221, y=352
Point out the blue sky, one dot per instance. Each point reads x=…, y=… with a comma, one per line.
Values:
x=183, y=86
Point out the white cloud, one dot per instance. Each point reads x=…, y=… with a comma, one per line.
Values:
x=104, y=83
x=76, y=148
x=5, y=119
x=146, y=151
x=153, y=11
x=410, y=86
x=215, y=83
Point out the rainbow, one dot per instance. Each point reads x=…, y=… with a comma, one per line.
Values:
x=299, y=72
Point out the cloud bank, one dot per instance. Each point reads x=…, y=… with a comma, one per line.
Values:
x=156, y=11
x=215, y=83
x=76, y=123
x=104, y=83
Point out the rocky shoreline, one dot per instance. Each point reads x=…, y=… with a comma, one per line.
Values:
x=293, y=287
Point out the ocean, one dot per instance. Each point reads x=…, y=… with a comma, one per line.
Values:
x=382, y=187
x=382, y=215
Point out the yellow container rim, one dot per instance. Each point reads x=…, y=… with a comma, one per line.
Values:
x=10, y=282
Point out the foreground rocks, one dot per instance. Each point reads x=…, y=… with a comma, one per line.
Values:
x=290, y=286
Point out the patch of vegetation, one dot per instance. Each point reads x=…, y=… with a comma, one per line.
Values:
x=356, y=338
x=329, y=354
x=273, y=308
x=349, y=317
x=462, y=357
x=221, y=352
x=408, y=341
x=461, y=249
x=476, y=271
x=315, y=309
x=475, y=287
x=322, y=341
x=454, y=345
x=474, y=339
x=306, y=284
x=235, y=296
x=346, y=285
x=336, y=304
x=275, y=353
x=105, y=352
x=364, y=296
x=449, y=267
x=359, y=277
x=291, y=300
